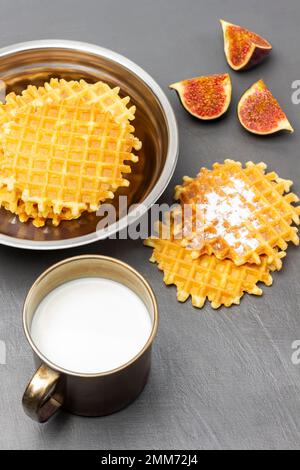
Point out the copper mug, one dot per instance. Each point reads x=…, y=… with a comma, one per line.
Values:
x=53, y=387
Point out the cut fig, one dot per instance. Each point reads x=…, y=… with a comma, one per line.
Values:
x=206, y=97
x=260, y=113
x=243, y=48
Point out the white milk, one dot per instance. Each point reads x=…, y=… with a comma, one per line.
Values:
x=91, y=325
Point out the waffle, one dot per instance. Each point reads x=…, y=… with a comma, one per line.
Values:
x=238, y=213
x=56, y=90
x=207, y=277
x=12, y=202
x=65, y=157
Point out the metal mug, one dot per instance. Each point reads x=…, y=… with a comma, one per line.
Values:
x=53, y=387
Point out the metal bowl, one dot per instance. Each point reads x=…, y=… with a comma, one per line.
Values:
x=36, y=62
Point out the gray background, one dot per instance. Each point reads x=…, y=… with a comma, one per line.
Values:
x=220, y=379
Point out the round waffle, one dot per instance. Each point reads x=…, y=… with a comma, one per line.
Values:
x=207, y=277
x=64, y=154
x=238, y=213
x=57, y=90
x=11, y=201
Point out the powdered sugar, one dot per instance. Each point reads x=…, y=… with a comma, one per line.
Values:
x=226, y=213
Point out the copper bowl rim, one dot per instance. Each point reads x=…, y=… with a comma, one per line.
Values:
x=171, y=157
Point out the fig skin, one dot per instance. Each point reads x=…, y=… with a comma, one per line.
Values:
x=256, y=48
x=205, y=97
x=260, y=113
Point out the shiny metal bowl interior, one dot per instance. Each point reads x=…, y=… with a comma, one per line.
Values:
x=36, y=62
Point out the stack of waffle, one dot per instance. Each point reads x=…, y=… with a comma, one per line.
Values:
x=237, y=229
x=65, y=148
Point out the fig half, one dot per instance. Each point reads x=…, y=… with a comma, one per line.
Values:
x=206, y=97
x=260, y=113
x=243, y=48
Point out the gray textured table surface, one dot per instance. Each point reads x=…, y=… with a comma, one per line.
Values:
x=220, y=379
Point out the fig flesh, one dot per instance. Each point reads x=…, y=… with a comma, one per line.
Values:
x=260, y=113
x=205, y=97
x=243, y=48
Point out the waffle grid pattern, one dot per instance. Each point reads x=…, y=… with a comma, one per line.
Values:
x=56, y=90
x=12, y=201
x=219, y=281
x=65, y=149
x=276, y=212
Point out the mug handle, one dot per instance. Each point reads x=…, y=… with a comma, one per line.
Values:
x=38, y=401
